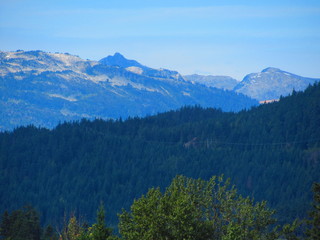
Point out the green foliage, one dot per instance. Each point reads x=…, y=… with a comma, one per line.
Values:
x=22, y=224
x=197, y=209
x=50, y=234
x=188, y=209
x=289, y=231
x=313, y=232
x=72, y=230
x=99, y=231
x=5, y=227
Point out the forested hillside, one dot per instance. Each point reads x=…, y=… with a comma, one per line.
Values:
x=271, y=153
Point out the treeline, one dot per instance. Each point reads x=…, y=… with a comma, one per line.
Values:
x=189, y=209
x=270, y=152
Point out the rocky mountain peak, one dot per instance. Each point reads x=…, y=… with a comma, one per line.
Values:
x=119, y=60
x=119, y=55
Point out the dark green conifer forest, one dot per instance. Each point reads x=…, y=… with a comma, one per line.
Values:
x=271, y=152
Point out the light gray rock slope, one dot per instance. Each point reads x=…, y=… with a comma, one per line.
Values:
x=44, y=89
x=271, y=83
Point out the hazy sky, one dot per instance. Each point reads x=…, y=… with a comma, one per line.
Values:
x=191, y=36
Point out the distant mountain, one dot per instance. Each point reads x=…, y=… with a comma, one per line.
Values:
x=271, y=83
x=43, y=88
x=133, y=66
x=119, y=60
x=224, y=82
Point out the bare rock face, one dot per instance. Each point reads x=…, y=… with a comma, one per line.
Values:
x=44, y=89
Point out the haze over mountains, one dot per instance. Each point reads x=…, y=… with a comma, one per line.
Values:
x=43, y=88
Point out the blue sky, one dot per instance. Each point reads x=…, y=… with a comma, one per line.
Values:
x=206, y=37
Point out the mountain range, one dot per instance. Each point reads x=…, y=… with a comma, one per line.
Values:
x=44, y=88
x=269, y=84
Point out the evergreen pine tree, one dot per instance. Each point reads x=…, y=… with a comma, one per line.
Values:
x=314, y=232
x=99, y=231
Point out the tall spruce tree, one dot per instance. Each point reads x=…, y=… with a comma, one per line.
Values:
x=99, y=230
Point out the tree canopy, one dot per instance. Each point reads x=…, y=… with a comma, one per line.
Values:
x=197, y=209
x=22, y=224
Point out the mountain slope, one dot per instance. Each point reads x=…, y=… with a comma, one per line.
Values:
x=46, y=88
x=223, y=82
x=133, y=66
x=271, y=83
x=270, y=152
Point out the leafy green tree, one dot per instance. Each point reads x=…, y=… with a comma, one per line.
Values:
x=314, y=232
x=197, y=209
